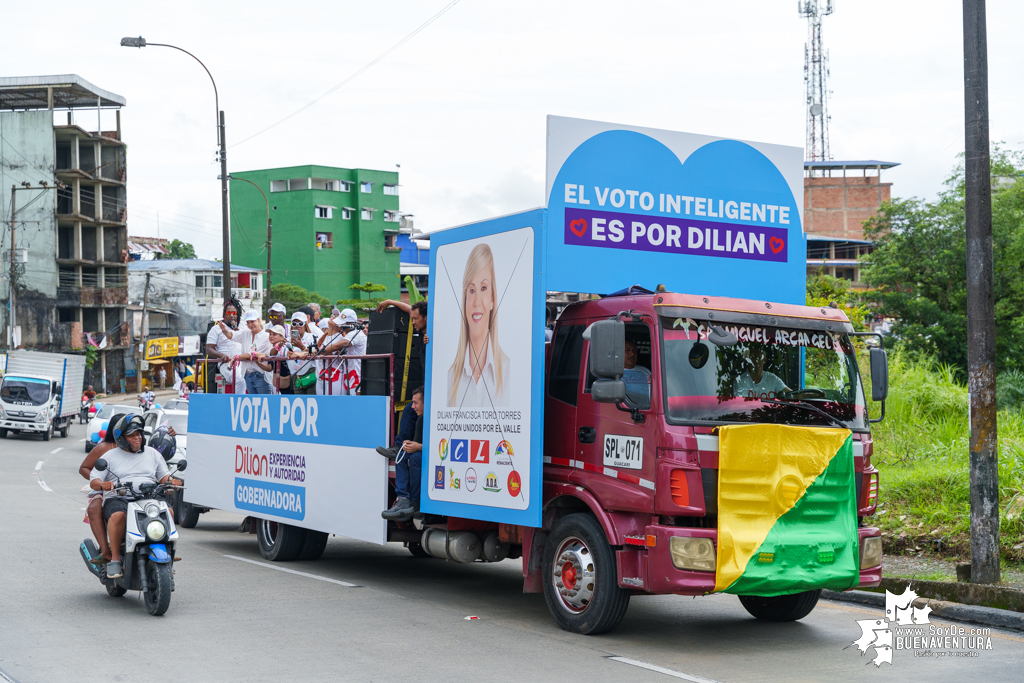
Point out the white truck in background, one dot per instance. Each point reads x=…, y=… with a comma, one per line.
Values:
x=40, y=393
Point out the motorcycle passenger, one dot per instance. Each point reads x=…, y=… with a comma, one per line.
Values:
x=131, y=462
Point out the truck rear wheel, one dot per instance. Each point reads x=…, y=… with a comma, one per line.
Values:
x=781, y=607
x=313, y=545
x=189, y=515
x=581, y=585
x=279, y=542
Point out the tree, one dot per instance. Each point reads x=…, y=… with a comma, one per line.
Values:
x=368, y=288
x=918, y=270
x=180, y=250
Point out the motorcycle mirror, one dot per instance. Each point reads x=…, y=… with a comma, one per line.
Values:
x=101, y=465
x=182, y=464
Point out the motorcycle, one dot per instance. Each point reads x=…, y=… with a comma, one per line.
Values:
x=146, y=403
x=147, y=551
x=87, y=409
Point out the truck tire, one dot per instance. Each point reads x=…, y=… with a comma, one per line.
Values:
x=189, y=516
x=781, y=607
x=48, y=434
x=158, y=595
x=3, y=433
x=313, y=545
x=88, y=446
x=65, y=429
x=279, y=542
x=581, y=584
x=416, y=550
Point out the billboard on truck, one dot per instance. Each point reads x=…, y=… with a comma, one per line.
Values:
x=623, y=205
x=308, y=461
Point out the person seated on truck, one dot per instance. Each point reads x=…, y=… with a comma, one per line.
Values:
x=636, y=377
x=408, y=466
x=756, y=382
x=131, y=462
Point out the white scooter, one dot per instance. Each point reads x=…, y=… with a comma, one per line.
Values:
x=147, y=551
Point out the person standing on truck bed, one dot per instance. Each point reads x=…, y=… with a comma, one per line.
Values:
x=408, y=466
x=222, y=348
x=254, y=341
x=636, y=377
x=407, y=423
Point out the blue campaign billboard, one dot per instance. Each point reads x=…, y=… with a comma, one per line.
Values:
x=699, y=214
x=484, y=405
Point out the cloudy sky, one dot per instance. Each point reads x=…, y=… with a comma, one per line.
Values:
x=462, y=105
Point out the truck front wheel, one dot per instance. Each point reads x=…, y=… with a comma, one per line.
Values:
x=781, y=607
x=581, y=585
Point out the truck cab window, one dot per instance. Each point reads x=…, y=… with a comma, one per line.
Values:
x=638, y=375
x=564, y=382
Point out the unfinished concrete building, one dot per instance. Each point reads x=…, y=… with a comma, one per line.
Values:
x=71, y=284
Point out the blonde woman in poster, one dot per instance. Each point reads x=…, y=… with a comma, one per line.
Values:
x=481, y=374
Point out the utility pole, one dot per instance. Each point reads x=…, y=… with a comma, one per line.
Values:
x=225, y=225
x=981, y=326
x=142, y=334
x=10, y=275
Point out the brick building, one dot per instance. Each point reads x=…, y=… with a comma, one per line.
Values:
x=838, y=197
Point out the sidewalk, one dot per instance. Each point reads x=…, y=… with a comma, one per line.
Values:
x=133, y=399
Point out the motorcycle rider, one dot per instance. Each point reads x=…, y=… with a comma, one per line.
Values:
x=131, y=463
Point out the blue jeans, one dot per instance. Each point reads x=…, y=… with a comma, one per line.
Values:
x=407, y=475
x=256, y=383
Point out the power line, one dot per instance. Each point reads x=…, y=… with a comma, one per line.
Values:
x=345, y=82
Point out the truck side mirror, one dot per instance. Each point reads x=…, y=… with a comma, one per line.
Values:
x=608, y=390
x=607, y=348
x=879, y=374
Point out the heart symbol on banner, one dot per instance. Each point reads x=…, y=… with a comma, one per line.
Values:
x=579, y=226
x=776, y=245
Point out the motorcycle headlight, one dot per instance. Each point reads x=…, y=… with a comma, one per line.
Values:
x=152, y=510
x=155, y=530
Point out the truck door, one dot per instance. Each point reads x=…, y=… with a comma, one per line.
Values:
x=615, y=454
x=564, y=387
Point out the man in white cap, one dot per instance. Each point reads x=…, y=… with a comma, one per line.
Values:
x=303, y=369
x=254, y=341
x=342, y=378
x=276, y=314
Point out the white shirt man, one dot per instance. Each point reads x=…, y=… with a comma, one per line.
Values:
x=146, y=467
x=341, y=376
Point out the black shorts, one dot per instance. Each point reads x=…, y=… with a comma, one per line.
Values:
x=112, y=505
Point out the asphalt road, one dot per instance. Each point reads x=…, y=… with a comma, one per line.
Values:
x=405, y=619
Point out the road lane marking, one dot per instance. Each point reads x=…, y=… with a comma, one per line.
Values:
x=39, y=465
x=662, y=670
x=43, y=484
x=56, y=450
x=81, y=440
x=292, y=571
x=7, y=679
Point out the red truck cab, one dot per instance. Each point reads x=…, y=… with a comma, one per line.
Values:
x=630, y=491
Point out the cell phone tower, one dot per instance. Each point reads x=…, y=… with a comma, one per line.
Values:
x=816, y=79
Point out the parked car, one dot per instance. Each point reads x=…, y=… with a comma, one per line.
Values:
x=101, y=420
x=176, y=404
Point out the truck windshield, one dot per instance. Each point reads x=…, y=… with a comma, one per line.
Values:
x=773, y=374
x=25, y=391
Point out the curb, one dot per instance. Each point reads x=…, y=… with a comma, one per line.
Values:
x=972, y=614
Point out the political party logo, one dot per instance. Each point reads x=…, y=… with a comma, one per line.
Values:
x=514, y=484
x=453, y=481
x=906, y=627
x=480, y=452
x=491, y=483
x=439, y=477
x=469, y=479
x=503, y=448
x=442, y=449
x=460, y=450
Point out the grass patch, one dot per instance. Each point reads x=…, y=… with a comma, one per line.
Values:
x=922, y=453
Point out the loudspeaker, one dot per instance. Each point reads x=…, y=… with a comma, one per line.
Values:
x=388, y=330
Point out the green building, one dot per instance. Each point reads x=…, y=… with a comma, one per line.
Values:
x=332, y=228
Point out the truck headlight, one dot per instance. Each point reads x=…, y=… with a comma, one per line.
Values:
x=41, y=417
x=871, y=552
x=692, y=553
x=155, y=530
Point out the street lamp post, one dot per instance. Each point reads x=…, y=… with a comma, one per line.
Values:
x=225, y=226
x=266, y=294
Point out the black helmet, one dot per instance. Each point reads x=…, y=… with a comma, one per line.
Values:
x=129, y=424
x=165, y=444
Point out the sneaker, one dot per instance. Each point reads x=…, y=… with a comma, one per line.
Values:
x=402, y=510
x=114, y=570
x=389, y=453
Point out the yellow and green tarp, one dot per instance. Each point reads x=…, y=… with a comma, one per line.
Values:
x=787, y=510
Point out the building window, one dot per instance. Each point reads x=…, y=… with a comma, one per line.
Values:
x=367, y=214
x=344, y=186
x=390, y=189
x=329, y=184
x=366, y=188
x=346, y=214
x=389, y=241
x=324, y=211
x=298, y=184
x=391, y=216
x=278, y=185
x=324, y=240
